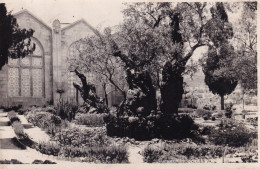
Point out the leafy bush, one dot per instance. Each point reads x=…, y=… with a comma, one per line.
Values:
x=43, y=119
x=183, y=152
x=206, y=130
x=98, y=154
x=203, y=113
x=90, y=119
x=77, y=137
x=151, y=154
x=233, y=135
x=12, y=117
x=153, y=126
x=66, y=110
x=103, y=154
x=228, y=109
x=48, y=148
x=12, y=108
x=47, y=121
x=18, y=129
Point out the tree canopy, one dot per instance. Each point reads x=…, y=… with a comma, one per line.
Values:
x=14, y=42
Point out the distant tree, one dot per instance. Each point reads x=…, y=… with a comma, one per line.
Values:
x=220, y=54
x=243, y=64
x=14, y=42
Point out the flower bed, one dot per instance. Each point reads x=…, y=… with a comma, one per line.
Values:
x=81, y=137
x=97, y=154
x=183, y=153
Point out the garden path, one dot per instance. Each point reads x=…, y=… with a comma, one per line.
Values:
x=134, y=155
x=35, y=133
x=9, y=150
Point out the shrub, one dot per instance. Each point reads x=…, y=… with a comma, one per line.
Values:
x=206, y=130
x=43, y=119
x=203, y=113
x=152, y=126
x=90, y=119
x=228, y=109
x=66, y=110
x=12, y=161
x=103, y=154
x=151, y=154
x=213, y=118
x=12, y=117
x=234, y=136
x=48, y=148
x=176, y=127
x=77, y=137
x=12, y=108
x=97, y=154
x=184, y=152
x=18, y=129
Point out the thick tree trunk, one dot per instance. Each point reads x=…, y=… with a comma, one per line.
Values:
x=171, y=90
x=105, y=93
x=144, y=101
x=222, y=102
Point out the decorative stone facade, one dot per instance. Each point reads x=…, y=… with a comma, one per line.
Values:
x=35, y=79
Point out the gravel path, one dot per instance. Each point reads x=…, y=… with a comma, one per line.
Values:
x=28, y=155
x=134, y=155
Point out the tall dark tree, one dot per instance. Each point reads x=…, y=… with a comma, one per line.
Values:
x=218, y=54
x=172, y=80
x=14, y=42
x=219, y=84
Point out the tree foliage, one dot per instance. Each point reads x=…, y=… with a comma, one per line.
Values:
x=94, y=56
x=14, y=42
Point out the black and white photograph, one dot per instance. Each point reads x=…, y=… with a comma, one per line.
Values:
x=128, y=84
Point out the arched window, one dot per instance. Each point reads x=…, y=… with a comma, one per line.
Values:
x=25, y=75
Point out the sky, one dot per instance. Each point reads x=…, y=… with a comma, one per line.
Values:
x=98, y=13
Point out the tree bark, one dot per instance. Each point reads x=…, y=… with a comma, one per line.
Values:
x=105, y=92
x=222, y=102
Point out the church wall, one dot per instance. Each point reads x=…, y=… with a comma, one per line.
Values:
x=68, y=36
x=42, y=35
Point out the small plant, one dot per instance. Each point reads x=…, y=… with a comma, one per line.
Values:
x=151, y=154
x=12, y=117
x=12, y=161
x=66, y=110
x=228, y=109
x=48, y=148
x=18, y=129
x=232, y=135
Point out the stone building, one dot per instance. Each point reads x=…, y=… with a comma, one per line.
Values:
x=35, y=79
